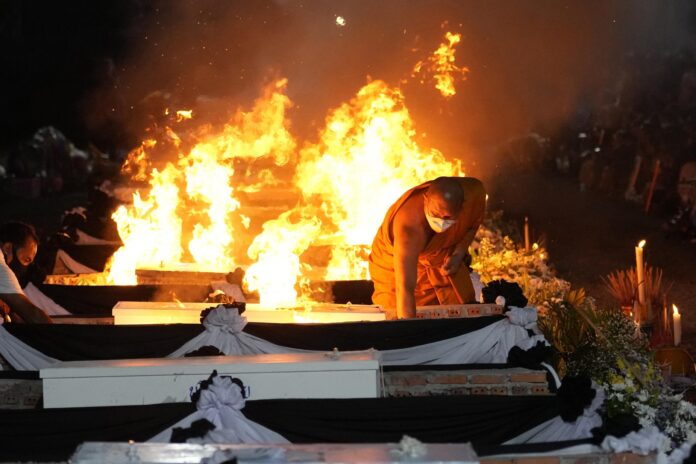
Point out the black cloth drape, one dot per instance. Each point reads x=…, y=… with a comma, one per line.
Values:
x=53, y=434
x=441, y=419
x=486, y=421
x=100, y=299
x=381, y=335
x=84, y=342
x=93, y=342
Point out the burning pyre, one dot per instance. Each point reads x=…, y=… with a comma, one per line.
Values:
x=227, y=198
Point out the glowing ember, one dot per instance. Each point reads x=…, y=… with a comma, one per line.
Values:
x=440, y=66
x=182, y=115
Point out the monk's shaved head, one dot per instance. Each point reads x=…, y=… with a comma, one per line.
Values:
x=447, y=193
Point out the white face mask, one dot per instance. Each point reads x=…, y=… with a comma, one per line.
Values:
x=439, y=225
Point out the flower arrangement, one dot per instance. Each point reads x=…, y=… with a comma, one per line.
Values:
x=603, y=343
x=496, y=256
x=590, y=340
x=637, y=389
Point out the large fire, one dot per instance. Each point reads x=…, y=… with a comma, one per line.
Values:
x=337, y=189
x=196, y=194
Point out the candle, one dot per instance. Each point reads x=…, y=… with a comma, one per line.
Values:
x=676, y=322
x=640, y=272
x=526, y=233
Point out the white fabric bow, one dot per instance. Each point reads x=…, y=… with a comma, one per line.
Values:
x=221, y=405
x=225, y=320
x=522, y=316
x=222, y=392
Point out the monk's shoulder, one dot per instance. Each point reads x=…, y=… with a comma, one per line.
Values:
x=409, y=212
x=472, y=186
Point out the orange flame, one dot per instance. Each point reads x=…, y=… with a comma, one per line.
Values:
x=196, y=195
x=150, y=228
x=277, y=254
x=366, y=158
x=137, y=163
x=198, y=209
x=440, y=66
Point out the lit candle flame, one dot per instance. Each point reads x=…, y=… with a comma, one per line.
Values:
x=641, y=244
x=340, y=21
x=675, y=310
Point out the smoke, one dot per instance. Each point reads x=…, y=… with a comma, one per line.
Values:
x=531, y=63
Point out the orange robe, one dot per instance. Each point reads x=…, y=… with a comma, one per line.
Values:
x=433, y=286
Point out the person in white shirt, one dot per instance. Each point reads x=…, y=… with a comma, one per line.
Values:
x=18, y=246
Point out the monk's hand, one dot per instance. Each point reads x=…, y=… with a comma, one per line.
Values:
x=452, y=263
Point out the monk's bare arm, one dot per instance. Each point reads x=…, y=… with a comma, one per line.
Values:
x=409, y=241
x=21, y=305
x=478, y=210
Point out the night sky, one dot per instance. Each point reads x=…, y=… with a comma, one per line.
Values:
x=93, y=69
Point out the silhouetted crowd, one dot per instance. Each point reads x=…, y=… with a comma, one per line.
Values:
x=638, y=142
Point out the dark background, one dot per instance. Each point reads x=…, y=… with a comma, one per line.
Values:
x=90, y=67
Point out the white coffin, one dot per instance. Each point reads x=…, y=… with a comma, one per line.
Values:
x=344, y=453
x=154, y=312
x=267, y=376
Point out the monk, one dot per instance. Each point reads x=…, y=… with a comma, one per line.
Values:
x=418, y=253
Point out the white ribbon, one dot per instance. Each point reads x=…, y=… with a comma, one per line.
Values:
x=21, y=356
x=221, y=405
x=557, y=429
x=678, y=456
x=489, y=345
x=224, y=330
x=40, y=299
x=524, y=317
x=644, y=441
